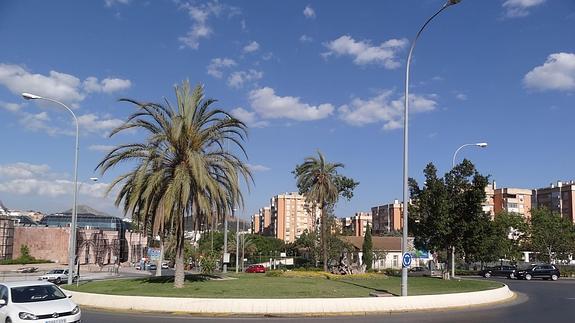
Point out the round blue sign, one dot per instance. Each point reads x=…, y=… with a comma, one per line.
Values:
x=406, y=259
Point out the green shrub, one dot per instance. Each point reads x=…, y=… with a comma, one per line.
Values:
x=209, y=263
x=392, y=272
x=464, y=272
x=274, y=273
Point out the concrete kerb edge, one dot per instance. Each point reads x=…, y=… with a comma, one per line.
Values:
x=304, y=306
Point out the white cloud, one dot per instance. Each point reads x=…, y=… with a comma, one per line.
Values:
x=520, y=8
x=41, y=122
x=557, y=73
x=200, y=15
x=308, y=12
x=93, y=123
x=101, y=148
x=12, y=107
x=268, y=105
x=461, y=96
x=21, y=169
x=51, y=188
x=258, y=168
x=249, y=118
x=217, y=64
x=238, y=78
x=251, y=47
x=383, y=108
x=110, y=3
x=59, y=86
x=306, y=39
x=107, y=85
x=364, y=53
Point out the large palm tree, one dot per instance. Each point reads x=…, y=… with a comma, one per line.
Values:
x=317, y=181
x=182, y=168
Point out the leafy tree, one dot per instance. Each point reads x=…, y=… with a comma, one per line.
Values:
x=511, y=232
x=319, y=181
x=181, y=168
x=25, y=252
x=367, y=249
x=552, y=236
x=447, y=212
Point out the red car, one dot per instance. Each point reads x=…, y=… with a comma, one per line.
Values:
x=256, y=269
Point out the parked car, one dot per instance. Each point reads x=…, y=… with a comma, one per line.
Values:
x=151, y=267
x=36, y=301
x=499, y=271
x=165, y=265
x=256, y=269
x=56, y=276
x=419, y=272
x=544, y=271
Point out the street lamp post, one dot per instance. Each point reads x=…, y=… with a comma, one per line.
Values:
x=480, y=145
x=237, y=241
x=405, y=145
x=72, y=247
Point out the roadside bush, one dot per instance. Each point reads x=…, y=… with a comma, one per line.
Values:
x=24, y=259
x=463, y=272
x=567, y=271
x=209, y=263
x=392, y=272
x=274, y=273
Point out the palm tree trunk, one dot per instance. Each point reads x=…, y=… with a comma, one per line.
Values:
x=323, y=238
x=179, y=276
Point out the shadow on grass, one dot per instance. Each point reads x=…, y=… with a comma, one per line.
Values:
x=368, y=287
x=188, y=278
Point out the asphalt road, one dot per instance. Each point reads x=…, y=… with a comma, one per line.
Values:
x=543, y=301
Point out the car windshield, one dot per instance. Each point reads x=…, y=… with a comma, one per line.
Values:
x=56, y=271
x=40, y=293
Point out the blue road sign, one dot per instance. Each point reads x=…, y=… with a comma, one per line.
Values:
x=406, y=259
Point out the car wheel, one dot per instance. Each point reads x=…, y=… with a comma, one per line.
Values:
x=487, y=275
x=8, y=320
x=528, y=277
x=58, y=281
x=554, y=277
x=511, y=276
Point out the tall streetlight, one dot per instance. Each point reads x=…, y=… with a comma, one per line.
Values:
x=480, y=145
x=72, y=247
x=237, y=240
x=405, y=145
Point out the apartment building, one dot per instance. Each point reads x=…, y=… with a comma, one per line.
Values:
x=387, y=218
x=512, y=200
x=356, y=225
x=489, y=204
x=291, y=215
x=256, y=223
x=265, y=221
x=557, y=197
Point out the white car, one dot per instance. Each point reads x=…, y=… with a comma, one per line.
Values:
x=34, y=301
x=56, y=276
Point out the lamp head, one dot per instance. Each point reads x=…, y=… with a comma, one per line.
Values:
x=94, y=179
x=29, y=96
x=481, y=144
x=453, y=2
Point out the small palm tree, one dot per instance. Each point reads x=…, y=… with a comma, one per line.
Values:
x=317, y=180
x=182, y=169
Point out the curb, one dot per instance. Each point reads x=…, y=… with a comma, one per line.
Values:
x=307, y=306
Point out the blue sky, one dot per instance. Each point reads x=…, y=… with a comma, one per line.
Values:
x=305, y=75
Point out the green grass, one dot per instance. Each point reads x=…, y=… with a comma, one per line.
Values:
x=260, y=286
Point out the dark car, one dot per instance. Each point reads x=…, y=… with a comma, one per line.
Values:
x=419, y=272
x=545, y=271
x=256, y=269
x=500, y=271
